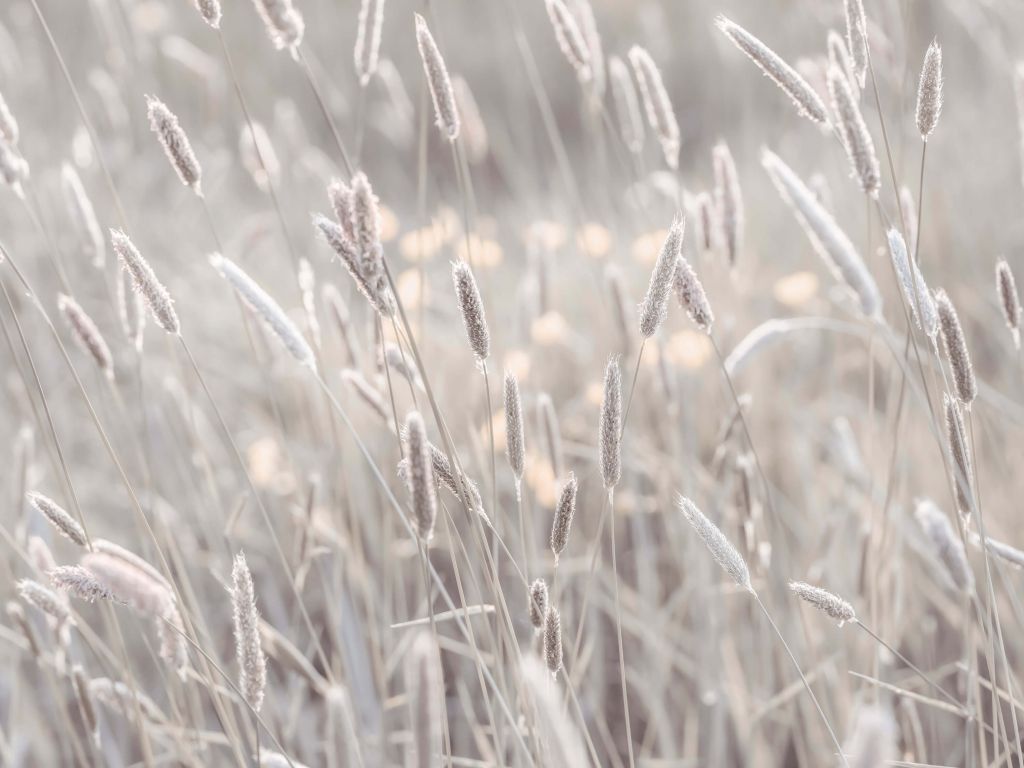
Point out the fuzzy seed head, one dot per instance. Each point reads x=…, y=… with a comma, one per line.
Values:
x=691, y=295
x=654, y=308
x=445, y=111
x=146, y=283
x=570, y=38
x=627, y=106
x=807, y=101
x=131, y=311
x=857, y=38
x=538, y=603
x=660, y=114
x=718, y=545
x=79, y=582
x=66, y=525
x=420, y=476
x=825, y=601
x=175, y=143
x=860, y=148
x=130, y=585
x=929, y=91
x=839, y=56
x=515, y=441
x=372, y=283
x=86, y=334
x=210, y=11
x=945, y=543
x=252, y=664
x=729, y=201
x=610, y=436
x=955, y=344
x=564, y=512
x=956, y=438
x=366, y=224
x=1009, y=299
x=268, y=310
x=371, y=18
x=284, y=24
x=553, y=640
x=915, y=291
x=472, y=308
x=830, y=242
x=45, y=599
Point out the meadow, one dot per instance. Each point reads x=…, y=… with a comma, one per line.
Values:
x=477, y=384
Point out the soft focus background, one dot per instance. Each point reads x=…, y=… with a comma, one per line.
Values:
x=845, y=418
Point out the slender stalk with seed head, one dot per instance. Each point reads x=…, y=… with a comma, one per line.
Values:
x=726, y=555
x=839, y=609
x=857, y=38
x=367, y=50
x=445, y=112
x=570, y=38
x=268, y=310
x=728, y=201
x=1009, y=300
x=552, y=640
x=929, y=91
x=87, y=335
x=564, y=513
x=829, y=241
x=657, y=104
x=146, y=283
x=955, y=346
x=66, y=525
x=285, y=25
x=627, y=107
x=915, y=291
x=806, y=99
x=860, y=148
x=175, y=142
x=420, y=476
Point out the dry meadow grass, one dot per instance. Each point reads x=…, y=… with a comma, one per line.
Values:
x=509, y=383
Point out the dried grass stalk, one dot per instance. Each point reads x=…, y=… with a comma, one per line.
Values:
x=831, y=243
x=654, y=308
x=1009, y=299
x=146, y=283
x=445, y=112
x=268, y=310
x=929, y=91
x=610, y=435
x=658, y=106
x=824, y=601
x=252, y=664
x=66, y=525
x=86, y=334
x=725, y=554
x=175, y=142
x=807, y=101
x=945, y=543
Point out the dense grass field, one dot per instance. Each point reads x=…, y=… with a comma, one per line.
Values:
x=496, y=383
